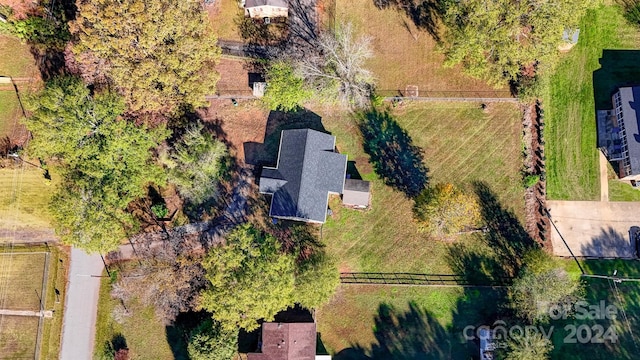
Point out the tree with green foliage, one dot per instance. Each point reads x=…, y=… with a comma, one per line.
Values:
x=444, y=210
x=317, y=278
x=286, y=90
x=159, y=53
x=105, y=161
x=542, y=283
x=209, y=341
x=43, y=32
x=528, y=346
x=196, y=164
x=84, y=218
x=250, y=278
x=499, y=41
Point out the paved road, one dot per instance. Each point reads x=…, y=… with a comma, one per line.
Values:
x=81, y=305
x=594, y=228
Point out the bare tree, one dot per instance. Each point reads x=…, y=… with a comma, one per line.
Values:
x=338, y=66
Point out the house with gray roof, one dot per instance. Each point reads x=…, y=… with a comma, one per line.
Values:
x=619, y=133
x=307, y=172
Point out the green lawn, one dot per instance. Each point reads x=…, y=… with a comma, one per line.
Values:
x=624, y=296
x=9, y=112
x=20, y=275
x=18, y=337
x=461, y=144
x=401, y=322
x=144, y=335
x=15, y=59
x=22, y=278
x=572, y=158
x=24, y=199
x=619, y=191
x=403, y=54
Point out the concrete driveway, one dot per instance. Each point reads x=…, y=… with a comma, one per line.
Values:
x=594, y=229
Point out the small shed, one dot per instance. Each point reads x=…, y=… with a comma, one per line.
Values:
x=357, y=193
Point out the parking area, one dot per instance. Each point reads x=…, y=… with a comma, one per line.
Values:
x=594, y=229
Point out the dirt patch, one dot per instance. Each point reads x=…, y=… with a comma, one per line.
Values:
x=234, y=77
x=241, y=124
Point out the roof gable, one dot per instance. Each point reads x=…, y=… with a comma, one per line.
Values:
x=308, y=170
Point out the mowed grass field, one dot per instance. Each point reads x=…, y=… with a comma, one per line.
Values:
x=21, y=278
x=24, y=199
x=404, y=55
x=571, y=138
x=16, y=61
x=18, y=337
x=462, y=144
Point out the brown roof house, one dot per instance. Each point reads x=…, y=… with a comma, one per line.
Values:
x=287, y=341
x=266, y=8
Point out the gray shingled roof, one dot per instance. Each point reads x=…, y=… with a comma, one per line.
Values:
x=308, y=169
x=630, y=97
x=256, y=3
x=356, y=192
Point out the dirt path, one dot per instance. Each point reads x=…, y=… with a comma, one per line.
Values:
x=604, y=177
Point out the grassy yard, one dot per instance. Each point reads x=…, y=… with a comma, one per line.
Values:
x=144, y=335
x=223, y=16
x=624, y=296
x=572, y=159
x=461, y=144
x=18, y=337
x=21, y=274
x=24, y=199
x=15, y=61
x=403, y=54
x=21, y=279
x=9, y=111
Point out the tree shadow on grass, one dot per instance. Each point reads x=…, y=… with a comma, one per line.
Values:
x=425, y=14
x=618, y=68
x=495, y=256
x=414, y=334
x=391, y=150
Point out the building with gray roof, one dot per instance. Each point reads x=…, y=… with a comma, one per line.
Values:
x=619, y=133
x=307, y=172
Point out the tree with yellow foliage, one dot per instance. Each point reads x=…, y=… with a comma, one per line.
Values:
x=158, y=53
x=444, y=210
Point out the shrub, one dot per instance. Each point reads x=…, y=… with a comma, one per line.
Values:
x=210, y=342
x=530, y=180
x=445, y=210
x=160, y=211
